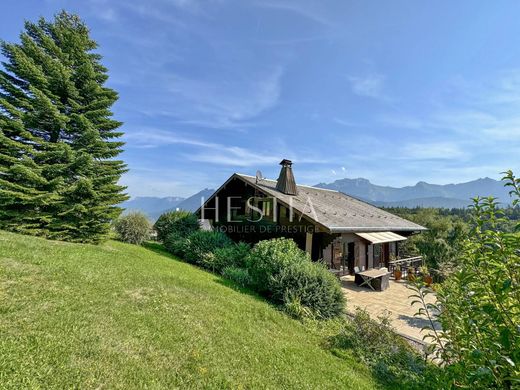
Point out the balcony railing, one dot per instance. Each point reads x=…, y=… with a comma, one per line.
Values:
x=406, y=264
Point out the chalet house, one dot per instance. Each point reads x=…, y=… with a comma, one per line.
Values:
x=342, y=231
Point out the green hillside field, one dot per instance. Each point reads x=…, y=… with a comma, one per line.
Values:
x=123, y=316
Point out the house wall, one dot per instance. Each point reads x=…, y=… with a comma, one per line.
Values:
x=363, y=251
x=348, y=237
x=360, y=250
x=393, y=249
x=370, y=260
x=361, y=258
x=327, y=255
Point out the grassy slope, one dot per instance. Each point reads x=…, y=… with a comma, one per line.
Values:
x=121, y=316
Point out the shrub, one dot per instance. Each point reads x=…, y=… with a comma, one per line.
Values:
x=175, y=245
x=478, y=304
x=312, y=286
x=268, y=258
x=229, y=256
x=198, y=244
x=392, y=359
x=179, y=223
x=293, y=306
x=133, y=228
x=238, y=275
x=285, y=273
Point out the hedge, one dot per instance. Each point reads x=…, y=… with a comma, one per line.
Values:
x=200, y=243
x=180, y=224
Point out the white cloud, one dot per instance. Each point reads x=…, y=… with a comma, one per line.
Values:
x=217, y=153
x=507, y=89
x=346, y=122
x=145, y=180
x=213, y=153
x=370, y=85
x=243, y=157
x=234, y=156
x=108, y=14
x=304, y=9
x=401, y=121
x=432, y=151
x=166, y=10
x=484, y=126
x=152, y=138
x=224, y=103
x=473, y=125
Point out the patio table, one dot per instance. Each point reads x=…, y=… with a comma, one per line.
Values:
x=376, y=279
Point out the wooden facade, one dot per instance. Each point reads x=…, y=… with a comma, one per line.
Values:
x=348, y=251
x=233, y=210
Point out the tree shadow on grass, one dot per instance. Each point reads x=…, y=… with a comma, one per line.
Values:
x=159, y=249
x=244, y=290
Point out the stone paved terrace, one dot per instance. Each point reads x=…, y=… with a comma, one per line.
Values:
x=394, y=300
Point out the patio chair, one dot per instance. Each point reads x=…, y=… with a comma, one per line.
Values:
x=356, y=270
x=362, y=268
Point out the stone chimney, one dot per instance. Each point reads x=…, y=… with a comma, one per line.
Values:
x=286, y=182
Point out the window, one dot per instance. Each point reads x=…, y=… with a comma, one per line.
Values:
x=377, y=253
x=266, y=207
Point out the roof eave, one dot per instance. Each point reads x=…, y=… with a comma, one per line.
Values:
x=354, y=229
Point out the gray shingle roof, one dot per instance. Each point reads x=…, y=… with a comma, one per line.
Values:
x=338, y=212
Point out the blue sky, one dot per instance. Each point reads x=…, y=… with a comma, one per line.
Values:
x=394, y=92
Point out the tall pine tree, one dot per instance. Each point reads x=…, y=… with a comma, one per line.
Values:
x=58, y=141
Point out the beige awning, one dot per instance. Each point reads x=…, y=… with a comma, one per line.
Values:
x=381, y=237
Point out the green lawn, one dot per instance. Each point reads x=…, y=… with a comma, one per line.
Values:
x=122, y=316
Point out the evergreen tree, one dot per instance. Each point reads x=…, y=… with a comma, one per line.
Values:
x=58, y=141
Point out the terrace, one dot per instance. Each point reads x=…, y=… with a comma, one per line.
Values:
x=395, y=302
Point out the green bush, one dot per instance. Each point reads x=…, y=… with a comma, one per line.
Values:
x=133, y=228
x=293, y=306
x=178, y=223
x=175, y=245
x=276, y=268
x=478, y=304
x=285, y=273
x=268, y=258
x=229, y=256
x=238, y=275
x=312, y=286
x=198, y=244
x=391, y=358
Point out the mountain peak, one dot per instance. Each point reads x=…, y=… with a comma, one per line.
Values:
x=422, y=194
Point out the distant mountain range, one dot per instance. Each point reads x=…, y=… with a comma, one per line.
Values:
x=151, y=205
x=193, y=202
x=420, y=195
x=434, y=201
x=154, y=206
